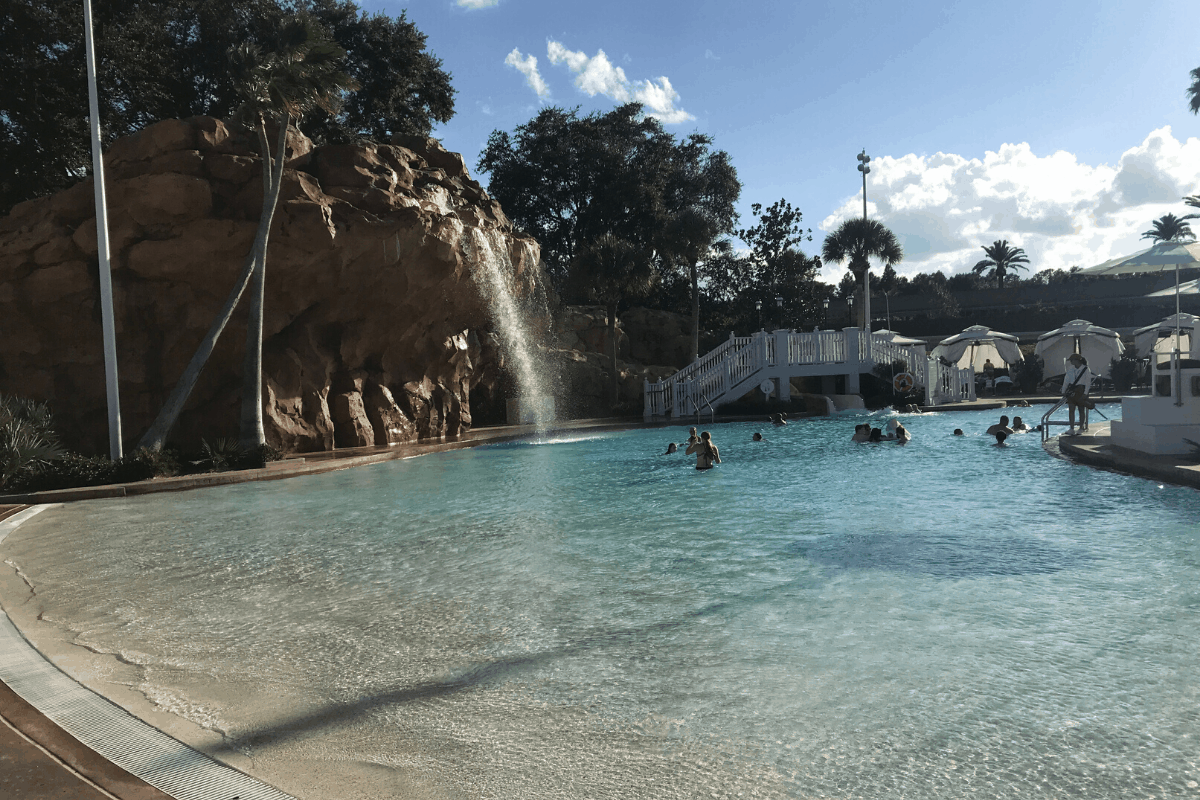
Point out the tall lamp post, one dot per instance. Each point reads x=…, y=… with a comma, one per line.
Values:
x=863, y=160
x=758, y=308
x=825, y=313
x=107, y=323
x=779, y=308
x=850, y=308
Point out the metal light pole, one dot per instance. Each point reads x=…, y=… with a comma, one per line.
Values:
x=825, y=313
x=779, y=308
x=850, y=308
x=758, y=308
x=863, y=160
x=107, y=322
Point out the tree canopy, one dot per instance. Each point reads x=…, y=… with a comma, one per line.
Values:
x=568, y=179
x=1001, y=258
x=167, y=59
x=1170, y=228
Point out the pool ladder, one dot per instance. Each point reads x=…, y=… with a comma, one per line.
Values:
x=1047, y=422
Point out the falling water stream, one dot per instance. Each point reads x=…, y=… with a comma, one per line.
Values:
x=490, y=252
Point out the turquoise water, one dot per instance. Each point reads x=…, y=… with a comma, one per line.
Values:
x=591, y=618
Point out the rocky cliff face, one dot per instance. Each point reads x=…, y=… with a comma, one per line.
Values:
x=375, y=331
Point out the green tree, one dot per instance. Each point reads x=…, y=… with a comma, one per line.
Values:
x=700, y=196
x=609, y=269
x=301, y=71
x=1000, y=260
x=166, y=59
x=1194, y=202
x=1193, y=92
x=1169, y=228
x=776, y=265
x=856, y=241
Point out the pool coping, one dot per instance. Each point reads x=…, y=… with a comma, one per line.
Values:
x=1095, y=449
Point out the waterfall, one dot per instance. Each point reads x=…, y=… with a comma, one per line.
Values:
x=493, y=274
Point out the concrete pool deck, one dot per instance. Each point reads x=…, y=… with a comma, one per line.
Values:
x=40, y=760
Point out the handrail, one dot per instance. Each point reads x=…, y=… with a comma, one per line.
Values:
x=1045, y=426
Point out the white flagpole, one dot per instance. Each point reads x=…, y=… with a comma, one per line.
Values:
x=107, y=324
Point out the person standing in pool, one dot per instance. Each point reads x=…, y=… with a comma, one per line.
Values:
x=705, y=451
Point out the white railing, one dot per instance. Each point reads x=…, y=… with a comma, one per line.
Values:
x=727, y=370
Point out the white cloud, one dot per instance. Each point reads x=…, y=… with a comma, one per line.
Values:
x=1064, y=213
x=476, y=4
x=527, y=66
x=597, y=75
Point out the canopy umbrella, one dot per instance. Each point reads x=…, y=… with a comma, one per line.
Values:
x=1098, y=345
x=895, y=338
x=978, y=344
x=1152, y=338
x=1159, y=258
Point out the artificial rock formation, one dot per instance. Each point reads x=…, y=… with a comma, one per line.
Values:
x=374, y=333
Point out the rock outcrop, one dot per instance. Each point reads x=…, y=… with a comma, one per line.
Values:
x=374, y=332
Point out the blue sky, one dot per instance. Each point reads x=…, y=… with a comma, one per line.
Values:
x=1061, y=127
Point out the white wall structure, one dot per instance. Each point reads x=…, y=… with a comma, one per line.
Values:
x=1156, y=424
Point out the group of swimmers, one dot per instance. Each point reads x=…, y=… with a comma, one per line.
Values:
x=1001, y=430
x=896, y=433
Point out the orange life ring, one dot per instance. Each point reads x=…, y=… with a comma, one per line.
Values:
x=903, y=383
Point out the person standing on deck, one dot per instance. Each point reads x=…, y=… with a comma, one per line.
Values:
x=1076, y=384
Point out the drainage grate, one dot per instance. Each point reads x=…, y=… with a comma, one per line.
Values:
x=114, y=733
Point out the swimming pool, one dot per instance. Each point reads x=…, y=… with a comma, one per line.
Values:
x=591, y=618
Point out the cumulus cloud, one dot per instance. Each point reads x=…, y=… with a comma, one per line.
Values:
x=476, y=4
x=597, y=75
x=527, y=66
x=1064, y=213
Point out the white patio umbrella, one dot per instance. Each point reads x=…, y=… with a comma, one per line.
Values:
x=978, y=344
x=1160, y=337
x=1098, y=345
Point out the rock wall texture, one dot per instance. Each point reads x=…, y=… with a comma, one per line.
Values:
x=375, y=331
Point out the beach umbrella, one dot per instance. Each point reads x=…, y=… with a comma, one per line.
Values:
x=1150, y=339
x=1169, y=254
x=1098, y=345
x=978, y=344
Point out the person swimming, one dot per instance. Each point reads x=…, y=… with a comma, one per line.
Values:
x=958, y=432
x=779, y=419
x=898, y=432
x=757, y=437
x=671, y=448
x=1018, y=426
x=705, y=451
x=861, y=433
x=1000, y=437
x=876, y=435
x=1002, y=425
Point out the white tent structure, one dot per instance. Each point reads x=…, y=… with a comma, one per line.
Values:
x=1161, y=257
x=1098, y=345
x=978, y=344
x=1159, y=339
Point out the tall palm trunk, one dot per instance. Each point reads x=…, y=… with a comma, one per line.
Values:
x=695, y=275
x=612, y=338
x=252, y=434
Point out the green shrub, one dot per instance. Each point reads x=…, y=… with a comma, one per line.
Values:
x=27, y=438
x=1028, y=373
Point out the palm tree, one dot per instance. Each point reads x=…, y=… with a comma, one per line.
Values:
x=1170, y=228
x=1194, y=92
x=279, y=86
x=1000, y=259
x=856, y=240
x=690, y=238
x=1194, y=202
x=609, y=269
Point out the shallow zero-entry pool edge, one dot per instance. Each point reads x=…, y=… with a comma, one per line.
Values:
x=97, y=739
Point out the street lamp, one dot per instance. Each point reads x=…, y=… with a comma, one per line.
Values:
x=863, y=160
x=825, y=313
x=850, y=308
x=779, y=308
x=758, y=308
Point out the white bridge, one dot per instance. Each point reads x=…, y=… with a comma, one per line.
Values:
x=746, y=363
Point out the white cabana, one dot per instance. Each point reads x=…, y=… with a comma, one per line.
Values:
x=1159, y=338
x=1098, y=345
x=978, y=344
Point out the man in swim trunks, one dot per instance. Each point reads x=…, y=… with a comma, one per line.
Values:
x=705, y=451
x=999, y=427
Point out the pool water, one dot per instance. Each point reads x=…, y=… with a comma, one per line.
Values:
x=592, y=618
